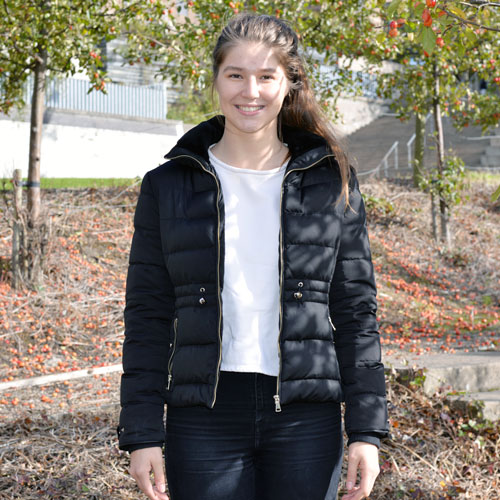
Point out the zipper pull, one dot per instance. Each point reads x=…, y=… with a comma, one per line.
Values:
x=169, y=381
x=277, y=404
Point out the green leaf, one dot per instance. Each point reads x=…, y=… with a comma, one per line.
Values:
x=444, y=20
x=449, y=37
x=419, y=10
x=458, y=12
x=393, y=7
x=496, y=194
x=429, y=39
x=419, y=37
x=470, y=35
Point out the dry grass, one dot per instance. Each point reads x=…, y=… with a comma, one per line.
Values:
x=58, y=442
x=433, y=453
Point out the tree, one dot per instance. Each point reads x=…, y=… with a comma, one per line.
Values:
x=329, y=31
x=41, y=39
x=440, y=48
x=47, y=38
x=443, y=49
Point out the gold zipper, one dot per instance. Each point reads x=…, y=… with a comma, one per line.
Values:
x=218, y=269
x=276, y=397
x=169, y=380
x=331, y=322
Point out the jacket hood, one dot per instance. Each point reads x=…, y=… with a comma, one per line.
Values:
x=197, y=141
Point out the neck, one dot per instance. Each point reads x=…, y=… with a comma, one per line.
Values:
x=257, y=151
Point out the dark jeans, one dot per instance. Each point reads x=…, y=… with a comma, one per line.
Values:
x=243, y=450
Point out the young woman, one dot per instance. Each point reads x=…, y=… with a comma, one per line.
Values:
x=251, y=306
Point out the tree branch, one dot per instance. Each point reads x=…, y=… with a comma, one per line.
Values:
x=6, y=8
x=21, y=66
x=480, y=3
x=466, y=21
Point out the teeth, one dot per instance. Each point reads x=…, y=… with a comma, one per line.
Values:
x=250, y=108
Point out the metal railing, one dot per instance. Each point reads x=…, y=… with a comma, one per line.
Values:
x=145, y=101
x=385, y=162
x=383, y=167
x=410, y=142
x=394, y=150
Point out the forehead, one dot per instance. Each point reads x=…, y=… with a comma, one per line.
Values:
x=251, y=56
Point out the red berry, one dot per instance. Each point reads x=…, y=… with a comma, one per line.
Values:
x=431, y=3
x=439, y=41
x=393, y=25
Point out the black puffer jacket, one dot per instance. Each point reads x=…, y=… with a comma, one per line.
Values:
x=173, y=317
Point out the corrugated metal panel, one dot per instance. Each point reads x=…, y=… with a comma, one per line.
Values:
x=145, y=101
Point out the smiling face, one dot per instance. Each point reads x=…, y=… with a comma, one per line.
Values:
x=251, y=85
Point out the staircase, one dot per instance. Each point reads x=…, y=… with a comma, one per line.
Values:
x=368, y=145
x=466, y=377
x=491, y=157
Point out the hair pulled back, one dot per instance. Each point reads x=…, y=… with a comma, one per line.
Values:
x=300, y=108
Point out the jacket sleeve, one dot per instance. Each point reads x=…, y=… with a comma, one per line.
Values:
x=148, y=315
x=353, y=307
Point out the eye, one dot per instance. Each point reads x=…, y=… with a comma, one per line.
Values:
x=234, y=75
x=267, y=77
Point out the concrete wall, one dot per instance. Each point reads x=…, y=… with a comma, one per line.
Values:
x=76, y=144
x=358, y=113
x=79, y=145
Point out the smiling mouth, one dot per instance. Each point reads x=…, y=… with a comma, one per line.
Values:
x=249, y=109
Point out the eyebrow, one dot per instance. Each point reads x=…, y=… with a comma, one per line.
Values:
x=236, y=68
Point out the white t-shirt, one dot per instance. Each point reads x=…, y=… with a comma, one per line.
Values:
x=250, y=294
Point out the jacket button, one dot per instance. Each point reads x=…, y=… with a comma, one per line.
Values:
x=202, y=289
x=203, y=301
x=298, y=295
x=300, y=284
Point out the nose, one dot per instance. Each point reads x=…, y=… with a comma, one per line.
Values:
x=250, y=88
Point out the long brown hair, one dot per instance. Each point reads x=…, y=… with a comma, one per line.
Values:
x=300, y=108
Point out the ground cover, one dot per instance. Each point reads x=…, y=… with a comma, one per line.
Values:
x=74, y=182
x=58, y=440
x=430, y=298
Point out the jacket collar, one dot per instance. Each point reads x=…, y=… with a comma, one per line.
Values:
x=305, y=147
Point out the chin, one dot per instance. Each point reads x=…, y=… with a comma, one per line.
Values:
x=249, y=125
